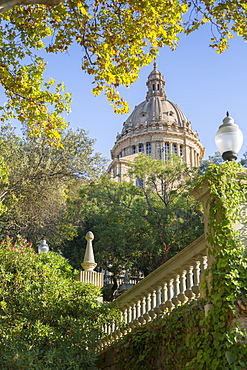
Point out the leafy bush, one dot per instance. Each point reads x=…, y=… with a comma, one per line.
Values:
x=47, y=319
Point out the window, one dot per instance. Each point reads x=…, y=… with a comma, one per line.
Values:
x=167, y=151
x=148, y=148
x=133, y=149
x=139, y=183
x=141, y=148
x=181, y=150
x=174, y=149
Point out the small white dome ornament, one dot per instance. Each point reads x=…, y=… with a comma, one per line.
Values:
x=43, y=247
x=229, y=139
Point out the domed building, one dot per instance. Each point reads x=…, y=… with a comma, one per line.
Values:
x=156, y=127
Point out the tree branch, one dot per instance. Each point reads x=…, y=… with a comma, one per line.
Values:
x=9, y=4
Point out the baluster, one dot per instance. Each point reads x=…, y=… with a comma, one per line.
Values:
x=175, y=299
x=195, y=288
x=181, y=296
x=152, y=303
x=164, y=297
x=204, y=264
x=119, y=325
x=188, y=291
x=138, y=313
x=113, y=331
x=148, y=306
x=157, y=309
x=129, y=316
x=108, y=338
x=169, y=303
x=104, y=339
x=117, y=332
x=123, y=328
x=133, y=315
x=108, y=329
x=143, y=310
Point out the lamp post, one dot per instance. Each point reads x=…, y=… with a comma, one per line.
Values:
x=229, y=139
x=43, y=247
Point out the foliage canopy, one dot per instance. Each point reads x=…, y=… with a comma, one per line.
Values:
x=116, y=38
x=40, y=178
x=137, y=227
x=48, y=319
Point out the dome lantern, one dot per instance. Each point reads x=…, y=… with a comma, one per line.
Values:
x=155, y=83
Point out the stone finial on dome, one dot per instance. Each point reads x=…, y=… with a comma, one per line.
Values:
x=155, y=83
x=89, y=263
x=155, y=65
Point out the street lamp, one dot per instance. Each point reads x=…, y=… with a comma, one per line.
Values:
x=229, y=139
x=43, y=247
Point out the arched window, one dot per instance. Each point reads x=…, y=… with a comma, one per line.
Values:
x=167, y=151
x=141, y=148
x=133, y=149
x=148, y=148
x=174, y=149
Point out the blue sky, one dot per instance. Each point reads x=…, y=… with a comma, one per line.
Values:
x=203, y=83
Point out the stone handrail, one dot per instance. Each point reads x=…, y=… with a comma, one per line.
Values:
x=175, y=282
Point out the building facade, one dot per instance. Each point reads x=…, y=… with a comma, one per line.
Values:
x=156, y=127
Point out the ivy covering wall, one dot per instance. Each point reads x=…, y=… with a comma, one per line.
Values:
x=162, y=343
x=186, y=339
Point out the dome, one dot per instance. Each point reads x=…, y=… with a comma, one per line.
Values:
x=156, y=108
x=156, y=127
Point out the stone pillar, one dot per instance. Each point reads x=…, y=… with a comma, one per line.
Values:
x=201, y=193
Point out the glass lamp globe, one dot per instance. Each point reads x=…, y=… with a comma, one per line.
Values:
x=43, y=247
x=229, y=139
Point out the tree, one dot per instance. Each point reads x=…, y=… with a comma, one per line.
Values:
x=117, y=38
x=48, y=319
x=243, y=160
x=137, y=227
x=170, y=208
x=40, y=178
x=216, y=159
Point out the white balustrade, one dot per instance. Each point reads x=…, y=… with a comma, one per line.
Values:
x=174, y=283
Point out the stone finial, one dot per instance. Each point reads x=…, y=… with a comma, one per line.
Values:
x=126, y=277
x=89, y=263
x=43, y=247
